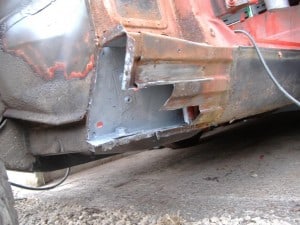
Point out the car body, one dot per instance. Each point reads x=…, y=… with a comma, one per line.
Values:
x=81, y=80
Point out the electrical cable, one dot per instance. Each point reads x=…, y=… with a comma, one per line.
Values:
x=2, y=124
x=42, y=188
x=270, y=74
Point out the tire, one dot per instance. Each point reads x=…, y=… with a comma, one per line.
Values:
x=8, y=215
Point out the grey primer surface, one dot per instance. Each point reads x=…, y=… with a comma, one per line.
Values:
x=115, y=113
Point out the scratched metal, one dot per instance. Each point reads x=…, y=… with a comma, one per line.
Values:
x=53, y=37
x=179, y=53
x=47, y=60
x=199, y=73
x=115, y=113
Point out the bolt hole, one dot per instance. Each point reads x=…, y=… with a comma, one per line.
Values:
x=128, y=99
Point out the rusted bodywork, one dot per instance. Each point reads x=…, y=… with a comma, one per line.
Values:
x=102, y=76
x=48, y=54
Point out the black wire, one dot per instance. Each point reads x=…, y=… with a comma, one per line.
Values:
x=43, y=188
x=289, y=96
x=2, y=124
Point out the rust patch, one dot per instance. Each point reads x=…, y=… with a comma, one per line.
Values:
x=111, y=13
x=198, y=72
x=61, y=68
x=189, y=25
x=89, y=66
x=58, y=51
x=147, y=10
x=36, y=61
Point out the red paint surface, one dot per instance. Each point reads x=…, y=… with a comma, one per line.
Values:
x=99, y=124
x=275, y=29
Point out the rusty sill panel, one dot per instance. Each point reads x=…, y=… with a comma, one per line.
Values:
x=147, y=82
x=115, y=113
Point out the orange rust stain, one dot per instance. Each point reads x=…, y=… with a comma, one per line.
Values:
x=90, y=65
x=38, y=62
x=58, y=66
x=62, y=68
x=21, y=54
x=49, y=73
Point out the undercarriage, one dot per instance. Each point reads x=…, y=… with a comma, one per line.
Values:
x=82, y=80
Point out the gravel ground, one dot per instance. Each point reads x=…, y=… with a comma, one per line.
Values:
x=33, y=211
x=247, y=175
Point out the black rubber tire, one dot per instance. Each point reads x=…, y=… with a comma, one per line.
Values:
x=8, y=215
